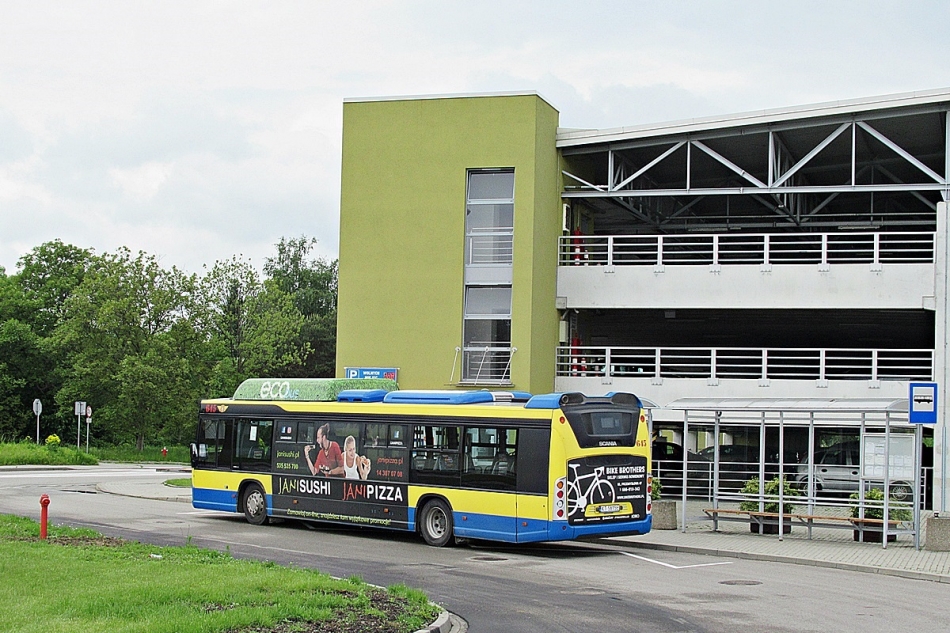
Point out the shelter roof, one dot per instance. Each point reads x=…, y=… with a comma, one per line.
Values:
x=826, y=405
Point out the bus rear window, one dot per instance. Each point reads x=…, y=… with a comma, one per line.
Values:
x=608, y=423
x=596, y=425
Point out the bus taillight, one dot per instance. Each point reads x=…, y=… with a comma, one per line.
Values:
x=559, y=511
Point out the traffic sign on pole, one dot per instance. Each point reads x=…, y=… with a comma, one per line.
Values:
x=88, y=422
x=37, y=409
x=80, y=411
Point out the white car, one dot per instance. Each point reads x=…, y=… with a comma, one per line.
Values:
x=838, y=470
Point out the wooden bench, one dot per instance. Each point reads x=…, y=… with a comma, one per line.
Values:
x=806, y=520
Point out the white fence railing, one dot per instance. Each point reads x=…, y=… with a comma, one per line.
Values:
x=746, y=363
x=747, y=248
x=486, y=364
x=490, y=247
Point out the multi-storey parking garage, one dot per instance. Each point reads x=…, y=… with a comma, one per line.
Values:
x=797, y=253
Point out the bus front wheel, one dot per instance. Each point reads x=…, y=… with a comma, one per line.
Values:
x=255, y=505
x=435, y=523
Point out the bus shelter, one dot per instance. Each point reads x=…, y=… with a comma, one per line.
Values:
x=831, y=453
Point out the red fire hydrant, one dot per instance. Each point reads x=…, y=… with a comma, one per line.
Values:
x=164, y=452
x=44, y=504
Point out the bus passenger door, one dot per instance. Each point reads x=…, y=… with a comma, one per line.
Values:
x=488, y=470
x=532, y=468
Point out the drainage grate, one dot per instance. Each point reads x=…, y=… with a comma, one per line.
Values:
x=748, y=583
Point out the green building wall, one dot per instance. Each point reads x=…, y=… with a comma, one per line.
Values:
x=402, y=232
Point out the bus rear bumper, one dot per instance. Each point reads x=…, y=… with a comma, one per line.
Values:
x=561, y=530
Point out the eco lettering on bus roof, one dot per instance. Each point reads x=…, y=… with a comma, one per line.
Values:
x=306, y=389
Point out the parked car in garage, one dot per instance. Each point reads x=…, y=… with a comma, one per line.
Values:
x=837, y=470
x=740, y=462
x=668, y=466
x=737, y=463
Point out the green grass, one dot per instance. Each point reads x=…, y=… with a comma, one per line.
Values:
x=78, y=582
x=176, y=454
x=28, y=453
x=184, y=482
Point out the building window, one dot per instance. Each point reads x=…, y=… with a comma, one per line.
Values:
x=489, y=218
x=489, y=239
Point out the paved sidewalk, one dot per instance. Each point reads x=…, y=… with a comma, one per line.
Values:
x=833, y=548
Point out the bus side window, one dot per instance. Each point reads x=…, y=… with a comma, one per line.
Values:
x=225, y=443
x=435, y=456
x=534, y=446
x=287, y=431
x=376, y=435
x=397, y=435
x=209, y=442
x=305, y=433
x=254, y=441
x=489, y=458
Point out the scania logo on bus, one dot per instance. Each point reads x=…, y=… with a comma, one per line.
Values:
x=278, y=390
x=607, y=443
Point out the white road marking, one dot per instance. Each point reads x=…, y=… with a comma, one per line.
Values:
x=657, y=562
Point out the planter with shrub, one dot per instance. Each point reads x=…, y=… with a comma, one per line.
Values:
x=768, y=525
x=873, y=530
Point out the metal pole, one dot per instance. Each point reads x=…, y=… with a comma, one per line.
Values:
x=78, y=430
x=717, y=451
x=918, y=438
x=87, y=435
x=810, y=483
x=887, y=477
x=37, y=428
x=781, y=475
x=685, y=482
x=762, y=473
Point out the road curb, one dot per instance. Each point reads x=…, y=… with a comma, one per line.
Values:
x=772, y=558
x=447, y=622
x=178, y=498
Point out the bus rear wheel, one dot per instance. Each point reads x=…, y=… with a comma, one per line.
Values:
x=435, y=523
x=255, y=505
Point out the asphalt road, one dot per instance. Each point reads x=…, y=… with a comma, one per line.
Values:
x=552, y=587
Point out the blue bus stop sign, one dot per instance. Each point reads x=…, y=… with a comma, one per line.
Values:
x=923, y=403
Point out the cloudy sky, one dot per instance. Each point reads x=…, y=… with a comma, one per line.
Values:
x=200, y=130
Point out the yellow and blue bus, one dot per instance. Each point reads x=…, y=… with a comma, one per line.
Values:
x=503, y=466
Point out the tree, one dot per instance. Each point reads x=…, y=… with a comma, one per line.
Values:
x=48, y=275
x=27, y=371
x=23, y=375
x=254, y=327
x=312, y=283
x=121, y=329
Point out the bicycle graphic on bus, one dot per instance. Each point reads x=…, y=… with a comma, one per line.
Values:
x=589, y=489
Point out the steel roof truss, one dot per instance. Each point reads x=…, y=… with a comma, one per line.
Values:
x=884, y=170
x=731, y=165
x=902, y=152
x=581, y=180
x=814, y=152
x=650, y=165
